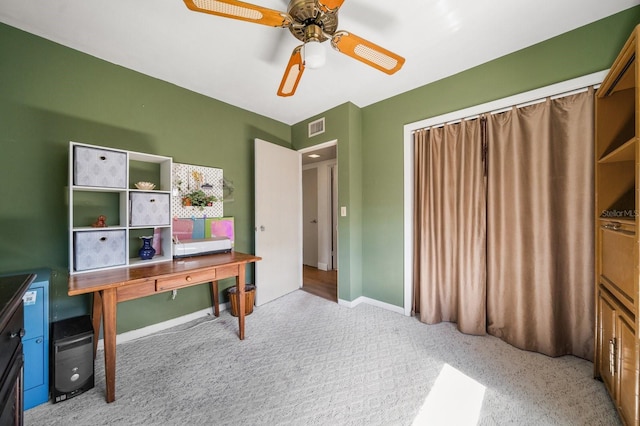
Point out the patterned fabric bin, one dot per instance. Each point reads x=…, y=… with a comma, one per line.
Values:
x=150, y=209
x=99, y=167
x=99, y=249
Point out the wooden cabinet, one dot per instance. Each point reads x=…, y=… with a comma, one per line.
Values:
x=617, y=182
x=617, y=350
x=102, y=182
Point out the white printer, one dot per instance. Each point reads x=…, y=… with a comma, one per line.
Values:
x=198, y=247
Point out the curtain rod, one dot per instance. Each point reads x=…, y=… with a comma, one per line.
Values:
x=553, y=91
x=505, y=109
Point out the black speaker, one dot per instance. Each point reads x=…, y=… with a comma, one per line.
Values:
x=72, y=358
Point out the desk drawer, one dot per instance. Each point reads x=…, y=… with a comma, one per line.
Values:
x=227, y=271
x=185, y=280
x=10, y=339
x=135, y=291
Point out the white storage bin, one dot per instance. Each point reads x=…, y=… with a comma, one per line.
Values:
x=150, y=209
x=99, y=249
x=99, y=167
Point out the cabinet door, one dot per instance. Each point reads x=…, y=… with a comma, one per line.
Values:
x=607, y=327
x=34, y=359
x=616, y=262
x=627, y=399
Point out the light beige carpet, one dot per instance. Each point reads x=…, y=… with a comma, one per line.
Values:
x=308, y=361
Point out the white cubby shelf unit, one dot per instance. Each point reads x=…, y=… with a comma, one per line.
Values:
x=102, y=182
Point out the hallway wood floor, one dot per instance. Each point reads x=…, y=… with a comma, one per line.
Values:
x=320, y=283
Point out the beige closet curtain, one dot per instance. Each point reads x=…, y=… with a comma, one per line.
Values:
x=524, y=272
x=541, y=225
x=449, y=222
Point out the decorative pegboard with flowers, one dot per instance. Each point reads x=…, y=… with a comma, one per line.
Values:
x=197, y=191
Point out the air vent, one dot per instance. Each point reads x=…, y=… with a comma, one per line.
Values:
x=316, y=127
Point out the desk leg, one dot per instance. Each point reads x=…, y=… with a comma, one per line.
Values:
x=109, y=309
x=96, y=320
x=240, y=284
x=216, y=298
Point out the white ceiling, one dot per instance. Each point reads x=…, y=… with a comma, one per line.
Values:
x=242, y=63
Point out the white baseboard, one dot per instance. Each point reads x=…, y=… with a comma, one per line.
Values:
x=154, y=328
x=323, y=266
x=369, y=301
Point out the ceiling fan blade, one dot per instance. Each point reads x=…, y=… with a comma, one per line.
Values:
x=367, y=52
x=292, y=74
x=330, y=5
x=240, y=10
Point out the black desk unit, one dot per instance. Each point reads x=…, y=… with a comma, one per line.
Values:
x=12, y=289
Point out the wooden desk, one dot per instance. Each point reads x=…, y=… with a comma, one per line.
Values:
x=117, y=285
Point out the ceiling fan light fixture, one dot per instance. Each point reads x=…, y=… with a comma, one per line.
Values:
x=315, y=55
x=312, y=22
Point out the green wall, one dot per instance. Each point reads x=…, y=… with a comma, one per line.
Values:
x=50, y=95
x=583, y=51
x=342, y=123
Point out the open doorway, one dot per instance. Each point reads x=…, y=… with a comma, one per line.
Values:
x=319, y=219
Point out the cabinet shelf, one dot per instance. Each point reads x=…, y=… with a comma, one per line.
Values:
x=97, y=189
x=130, y=212
x=617, y=261
x=149, y=227
x=629, y=220
x=622, y=74
x=91, y=228
x=151, y=191
x=621, y=204
x=156, y=259
x=625, y=152
x=619, y=295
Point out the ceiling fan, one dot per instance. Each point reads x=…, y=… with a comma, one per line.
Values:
x=312, y=22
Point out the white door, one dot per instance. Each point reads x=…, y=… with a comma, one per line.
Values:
x=334, y=217
x=310, y=217
x=278, y=219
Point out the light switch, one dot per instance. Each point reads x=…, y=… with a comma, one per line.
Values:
x=343, y=211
